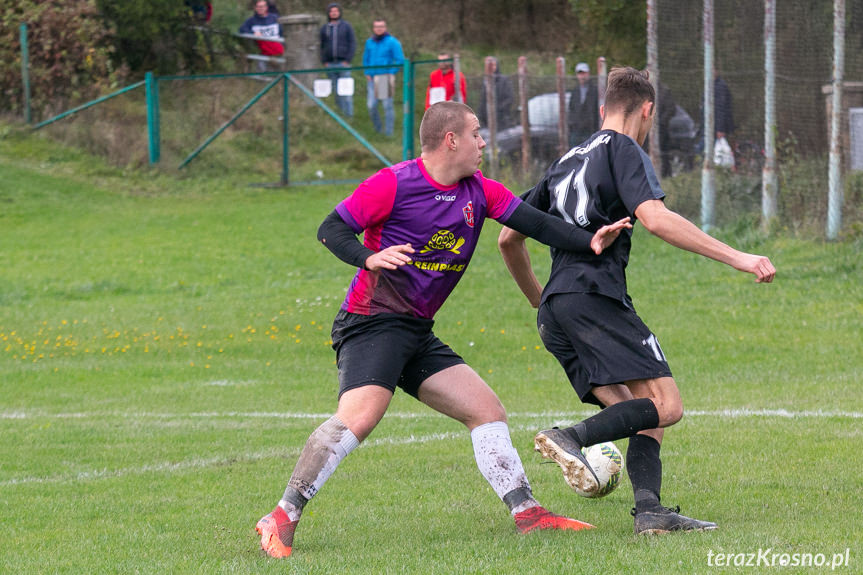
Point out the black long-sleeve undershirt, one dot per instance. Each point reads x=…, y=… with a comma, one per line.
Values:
x=548, y=229
x=340, y=239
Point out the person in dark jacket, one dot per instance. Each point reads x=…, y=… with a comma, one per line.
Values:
x=722, y=107
x=504, y=100
x=338, y=45
x=265, y=24
x=583, y=106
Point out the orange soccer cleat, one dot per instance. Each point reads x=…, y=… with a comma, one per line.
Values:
x=277, y=533
x=540, y=518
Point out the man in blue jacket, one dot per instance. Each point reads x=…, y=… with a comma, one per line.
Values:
x=382, y=49
x=338, y=45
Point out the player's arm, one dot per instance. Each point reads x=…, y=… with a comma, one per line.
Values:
x=680, y=232
x=517, y=259
x=555, y=232
x=513, y=249
x=340, y=239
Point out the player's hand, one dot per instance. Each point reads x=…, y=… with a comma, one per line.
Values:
x=760, y=266
x=391, y=258
x=606, y=235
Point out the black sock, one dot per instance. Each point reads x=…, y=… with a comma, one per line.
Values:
x=517, y=497
x=645, y=471
x=617, y=421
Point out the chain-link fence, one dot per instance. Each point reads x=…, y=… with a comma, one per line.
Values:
x=535, y=116
x=803, y=72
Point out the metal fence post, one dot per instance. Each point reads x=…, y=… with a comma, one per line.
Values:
x=25, y=72
x=769, y=180
x=285, y=141
x=408, y=114
x=152, y=90
x=836, y=193
x=708, y=184
x=653, y=69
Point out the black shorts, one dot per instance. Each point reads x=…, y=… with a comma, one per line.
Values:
x=389, y=350
x=599, y=341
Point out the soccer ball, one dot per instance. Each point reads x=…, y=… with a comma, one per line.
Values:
x=607, y=463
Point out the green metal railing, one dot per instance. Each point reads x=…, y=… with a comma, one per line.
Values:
x=286, y=78
x=25, y=72
x=89, y=104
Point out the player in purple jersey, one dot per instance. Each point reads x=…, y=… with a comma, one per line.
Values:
x=586, y=318
x=421, y=220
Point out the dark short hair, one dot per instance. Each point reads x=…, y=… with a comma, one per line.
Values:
x=441, y=118
x=627, y=89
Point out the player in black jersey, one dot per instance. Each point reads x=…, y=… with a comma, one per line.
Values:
x=586, y=318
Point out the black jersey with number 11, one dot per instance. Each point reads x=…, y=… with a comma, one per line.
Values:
x=595, y=184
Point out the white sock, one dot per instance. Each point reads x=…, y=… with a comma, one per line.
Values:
x=331, y=442
x=499, y=463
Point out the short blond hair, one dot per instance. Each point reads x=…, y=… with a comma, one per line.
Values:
x=441, y=118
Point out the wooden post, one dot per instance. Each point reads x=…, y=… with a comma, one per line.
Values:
x=456, y=69
x=562, y=125
x=525, y=118
x=491, y=108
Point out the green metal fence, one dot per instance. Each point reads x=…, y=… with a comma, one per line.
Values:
x=285, y=79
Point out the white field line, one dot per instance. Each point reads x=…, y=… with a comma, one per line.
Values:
x=723, y=413
x=201, y=463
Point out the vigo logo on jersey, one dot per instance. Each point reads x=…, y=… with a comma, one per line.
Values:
x=573, y=210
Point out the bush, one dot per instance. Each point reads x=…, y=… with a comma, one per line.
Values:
x=152, y=35
x=68, y=52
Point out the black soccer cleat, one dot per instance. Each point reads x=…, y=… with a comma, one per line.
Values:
x=667, y=520
x=559, y=446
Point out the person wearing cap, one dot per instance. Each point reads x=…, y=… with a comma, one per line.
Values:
x=583, y=110
x=338, y=45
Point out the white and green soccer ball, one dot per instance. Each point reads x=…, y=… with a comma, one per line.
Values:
x=607, y=462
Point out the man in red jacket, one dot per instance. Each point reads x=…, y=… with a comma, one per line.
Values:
x=442, y=83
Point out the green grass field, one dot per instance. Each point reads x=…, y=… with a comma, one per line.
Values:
x=164, y=353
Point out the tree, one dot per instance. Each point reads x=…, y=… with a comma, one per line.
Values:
x=616, y=29
x=151, y=35
x=68, y=53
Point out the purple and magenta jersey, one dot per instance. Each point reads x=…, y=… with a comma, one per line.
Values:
x=402, y=204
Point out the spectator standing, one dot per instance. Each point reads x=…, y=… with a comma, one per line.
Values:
x=338, y=45
x=666, y=109
x=382, y=49
x=504, y=100
x=583, y=106
x=723, y=111
x=202, y=11
x=442, y=83
x=265, y=23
